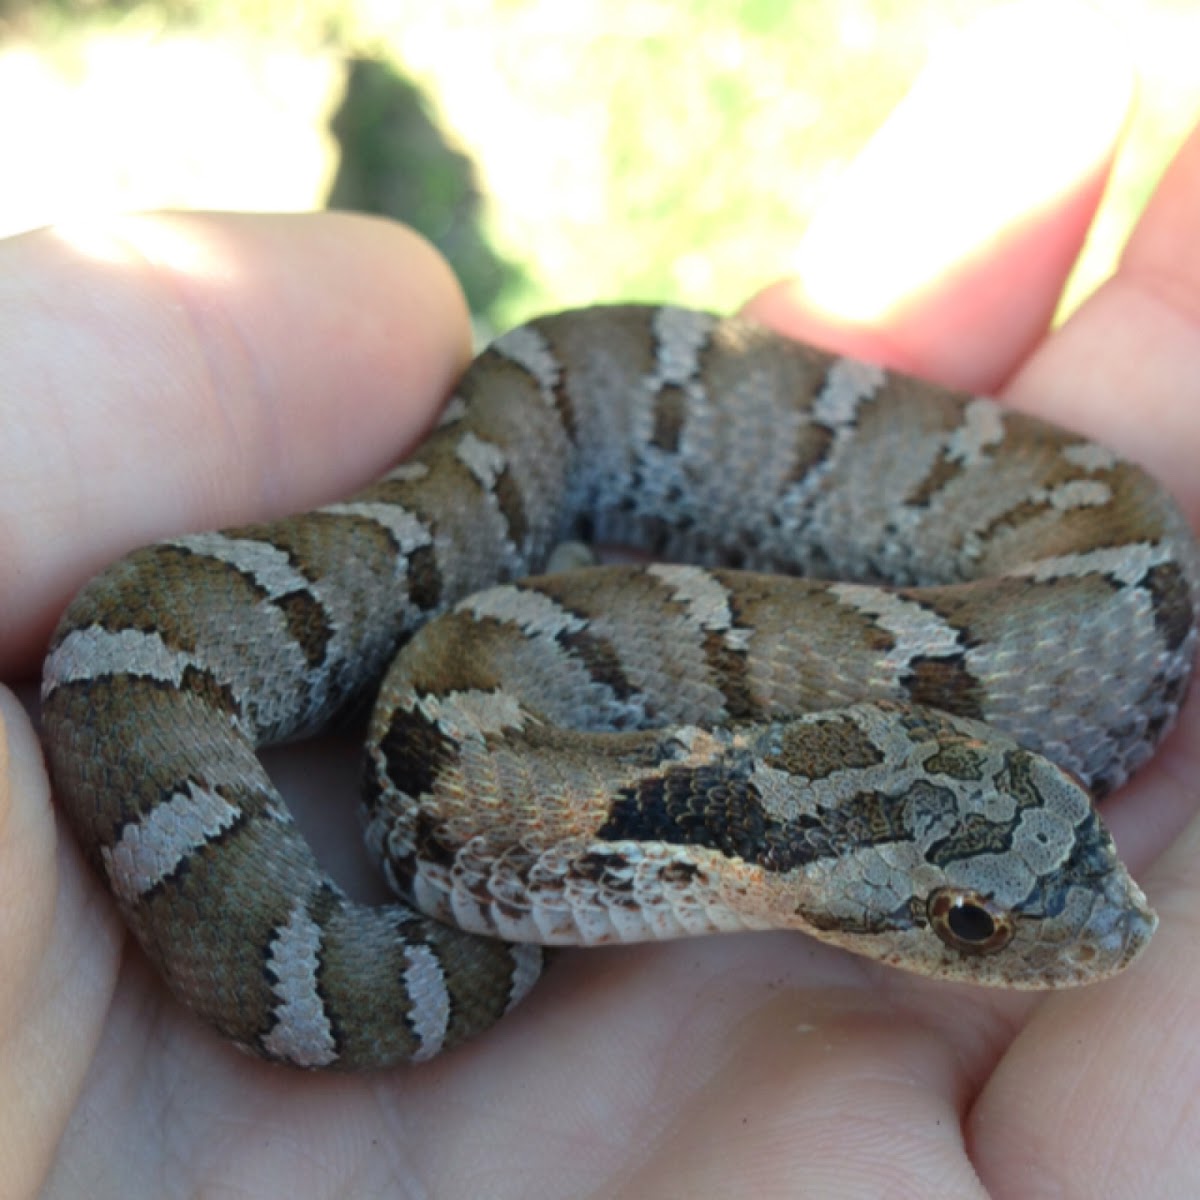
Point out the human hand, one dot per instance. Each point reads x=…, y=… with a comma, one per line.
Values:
x=189, y=372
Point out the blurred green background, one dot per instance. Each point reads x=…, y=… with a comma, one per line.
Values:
x=558, y=151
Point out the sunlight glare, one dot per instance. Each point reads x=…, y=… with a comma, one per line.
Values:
x=1021, y=106
x=140, y=239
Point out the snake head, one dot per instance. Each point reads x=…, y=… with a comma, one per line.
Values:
x=1082, y=920
x=985, y=862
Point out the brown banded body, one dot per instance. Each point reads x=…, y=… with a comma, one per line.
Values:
x=893, y=753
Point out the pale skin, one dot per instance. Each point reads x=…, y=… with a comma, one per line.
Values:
x=169, y=373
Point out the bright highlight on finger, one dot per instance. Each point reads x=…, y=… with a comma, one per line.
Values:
x=123, y=239
x=1007, y=117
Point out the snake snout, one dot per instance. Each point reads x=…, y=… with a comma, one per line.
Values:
x=1122, y=925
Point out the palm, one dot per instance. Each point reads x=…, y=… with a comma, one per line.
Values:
x=697, y=1063
x=758, y=1062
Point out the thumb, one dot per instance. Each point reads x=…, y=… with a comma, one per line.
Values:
x=163, y=373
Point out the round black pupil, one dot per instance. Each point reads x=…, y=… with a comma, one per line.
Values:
x=971, y=923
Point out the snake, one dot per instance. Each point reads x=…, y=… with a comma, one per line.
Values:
x=877, y=651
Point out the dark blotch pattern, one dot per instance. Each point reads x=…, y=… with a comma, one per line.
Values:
x=206, y=688
x=424, y=579
x=718, y=807
x=430, y=845
x=729, y=668
x=960, y=760
x=820, y=748
x=974, y=835
x=605, y=870
x=945, y=682
x=1172, y=603
x=680, y=874
x=415, y=751
x=308, y=625
x=670, y=410
x=600, y=658
x=512, y=508
x=943, y=472
x=1018, y=779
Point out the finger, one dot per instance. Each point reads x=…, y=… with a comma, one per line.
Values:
x=944, y=249
x=173, y=372
x=1097, y=1096
x=58, y=948
x=1126, y=367
x=1124, y=370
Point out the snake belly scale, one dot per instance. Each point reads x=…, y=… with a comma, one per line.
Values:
x=995, y=621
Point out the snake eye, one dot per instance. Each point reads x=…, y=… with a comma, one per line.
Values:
x=968, y=921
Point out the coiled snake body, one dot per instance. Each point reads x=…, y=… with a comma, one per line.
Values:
x=639, y=751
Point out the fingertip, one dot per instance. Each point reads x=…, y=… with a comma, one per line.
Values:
x=1123, y=368
x=1161, y=253
x=944, y=247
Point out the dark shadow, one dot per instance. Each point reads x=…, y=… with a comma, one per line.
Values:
x=395, y=161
